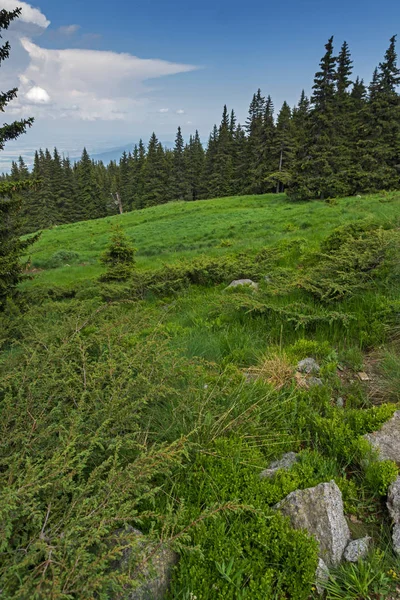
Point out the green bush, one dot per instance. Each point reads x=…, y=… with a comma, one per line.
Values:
x=248, y=553
x=379, y=475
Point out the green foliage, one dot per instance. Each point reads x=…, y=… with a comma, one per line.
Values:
x=367, y=579
x=253, y=554
x=379, y=475
x=119, y=258
x=349, y=260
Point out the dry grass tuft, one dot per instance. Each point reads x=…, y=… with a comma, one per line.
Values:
x=276, y=370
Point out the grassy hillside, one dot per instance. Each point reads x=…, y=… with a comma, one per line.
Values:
x=156, y=402
x=166, y=233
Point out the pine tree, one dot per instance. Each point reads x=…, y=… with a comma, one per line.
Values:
x=11, y=245
x=284, y=147
x=221, y=180
x=153, y=174
x=384, y=122
x=90, y=201
x=179, y=178
x=195, y=166
x=124, y=190
x=313, y=169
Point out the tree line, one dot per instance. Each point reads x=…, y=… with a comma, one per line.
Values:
x=343, y=140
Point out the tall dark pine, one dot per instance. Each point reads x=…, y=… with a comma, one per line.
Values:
x=179, y=178
x=195, y=166
x=313, y=169
x=153, y=174
x=11, y=245
x=90, y=201
x=384, y=121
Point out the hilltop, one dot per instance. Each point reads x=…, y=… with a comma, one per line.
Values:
x=177, y=230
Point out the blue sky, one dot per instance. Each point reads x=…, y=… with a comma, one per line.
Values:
x=73, y=61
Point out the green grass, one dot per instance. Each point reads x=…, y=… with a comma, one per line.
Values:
x=165, y=234
x=158, y=410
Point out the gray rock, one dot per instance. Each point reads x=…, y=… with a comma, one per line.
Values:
x=239, y=282
x=314, y=382
x=396, y=538
x=287, y=461
x=155, y=573
x=340, y=402
x=319, y=510
x=308, y=365
x=387, y=439
x=393, y=501
x=357, y=549
x=321, y=576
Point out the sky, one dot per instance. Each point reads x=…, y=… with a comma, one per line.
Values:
x=104, y=74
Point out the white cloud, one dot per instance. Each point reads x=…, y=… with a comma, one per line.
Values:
x=37, y=95
x=163, y=110
x=29, y=14
x=69, y=29
x=90, y=84
x=180, y=111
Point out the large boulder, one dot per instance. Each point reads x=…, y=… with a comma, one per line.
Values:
x=319, y=510
x=150, y=565
x=387, y=439
x=286, y=462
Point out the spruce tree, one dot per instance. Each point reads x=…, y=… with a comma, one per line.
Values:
x=313, y=169
x=179, y=178
x=90, y=201
x=11, y=245
x=384, y=122
x=153, y=174
x=195, y=166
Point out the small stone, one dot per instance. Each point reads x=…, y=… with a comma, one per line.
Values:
x=363, y=376
x=357, y=549
x=321, y=576
x=387, y=439
x=319, y=510
x=393, y=501
x=286, y=462
x=314, y=382
x=239, y=282
x=308, y=365
x=396, y=538
x=340, y=402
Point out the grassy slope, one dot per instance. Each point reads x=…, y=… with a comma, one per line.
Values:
x=121, y=380
x=166, y=233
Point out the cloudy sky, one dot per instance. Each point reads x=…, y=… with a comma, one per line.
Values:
x=105, y=73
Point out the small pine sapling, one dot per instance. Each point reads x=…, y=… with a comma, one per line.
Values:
x=119, y=257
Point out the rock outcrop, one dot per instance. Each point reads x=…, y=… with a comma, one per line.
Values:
x=387, y=439
x=319, y=510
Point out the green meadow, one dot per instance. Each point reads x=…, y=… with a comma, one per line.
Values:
x=155, y=402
